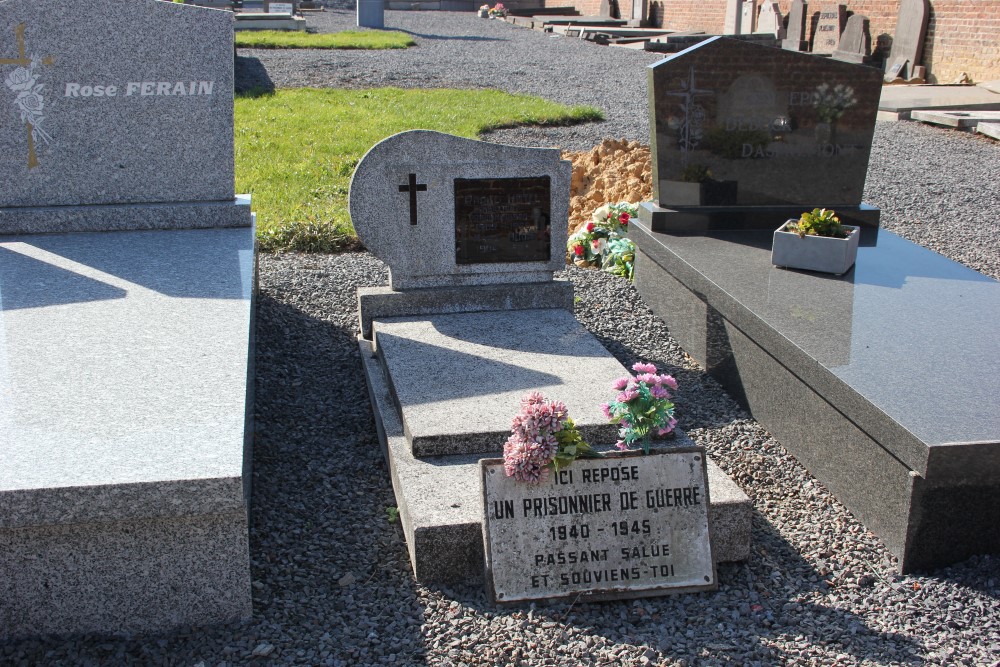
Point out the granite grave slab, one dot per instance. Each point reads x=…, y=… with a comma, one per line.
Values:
x=991, y=130
x=746, y=136
x=835, y=369
x=960, y=119
x=455, y=342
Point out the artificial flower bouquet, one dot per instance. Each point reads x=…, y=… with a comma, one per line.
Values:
x=498, y=11
x=642, y=407
x=601, y=243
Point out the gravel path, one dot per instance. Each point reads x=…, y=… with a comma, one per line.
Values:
x=331, y=578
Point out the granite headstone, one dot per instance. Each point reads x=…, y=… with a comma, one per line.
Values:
x=97, y=118
x=908, y=42
x=738, y=129
x=748, y=17
x=501, y=210
x=734, y=13
x=770, y=20
x=832, y=19
x=796, y=28
x=856, y=41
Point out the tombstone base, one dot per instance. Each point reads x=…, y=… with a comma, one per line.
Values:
x=851, y=57
x=794, y=45
x=441, y=506
x=703, y=219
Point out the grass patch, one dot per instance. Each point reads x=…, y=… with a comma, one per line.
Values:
x=349, y=39
x=296, y=149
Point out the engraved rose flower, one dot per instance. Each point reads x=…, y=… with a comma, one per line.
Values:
x=30, y=103
x=20, y=80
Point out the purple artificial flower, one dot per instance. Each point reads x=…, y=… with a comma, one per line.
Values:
x=659, y=392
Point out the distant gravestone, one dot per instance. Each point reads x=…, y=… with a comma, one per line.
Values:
x=748, y=17
x=832, y=19
x=770, y=20
x=733, y=18
x=856, y=42
x=908, y=42
x=493, y=206
x=796, y=28
x=92, y=124
x=371, y=13
x=606, y=529
x=774, y=129
x=279, y=7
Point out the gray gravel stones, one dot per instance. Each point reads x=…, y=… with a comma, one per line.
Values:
x=331, y=578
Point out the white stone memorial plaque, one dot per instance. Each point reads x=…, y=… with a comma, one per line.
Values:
x=625, y=526
x=280, y=8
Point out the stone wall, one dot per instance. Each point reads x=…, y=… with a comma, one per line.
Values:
x=962, y=35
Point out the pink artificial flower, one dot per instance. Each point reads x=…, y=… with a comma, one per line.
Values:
x=621, y=445
x=533, y=398
x=620, y=383
x=643, y=368
x=627, y=395
x=606, y=409
x=648, y=378
x=669, y=381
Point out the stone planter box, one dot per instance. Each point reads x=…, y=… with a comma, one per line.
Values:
x=815, y=253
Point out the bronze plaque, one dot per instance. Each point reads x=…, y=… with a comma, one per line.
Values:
x=502, y=220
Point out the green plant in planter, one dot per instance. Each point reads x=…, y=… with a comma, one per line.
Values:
x=819, y=222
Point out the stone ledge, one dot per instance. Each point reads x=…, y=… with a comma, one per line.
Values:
x=125, y=217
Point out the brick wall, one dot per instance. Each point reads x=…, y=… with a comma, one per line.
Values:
x=962, y=35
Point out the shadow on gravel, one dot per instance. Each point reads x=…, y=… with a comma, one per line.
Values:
x=329, y=564
x=762, y=597
x=452, y=38
x=251, y=77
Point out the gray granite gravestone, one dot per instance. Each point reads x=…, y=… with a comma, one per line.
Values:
x=733, y=18
x=125, y=436
x=746, y=135
x=856, y=42
x=832, y=19
x=472, y=320
x=748, y=17
x=770, y=21
x=908, y=41
x=794, y=36
x=117, y=133
x=371, y=13
x=499, y=211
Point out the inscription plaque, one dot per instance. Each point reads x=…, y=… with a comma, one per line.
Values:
x=502, y=220
x=626, y=526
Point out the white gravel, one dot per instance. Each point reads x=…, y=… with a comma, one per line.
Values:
x=331, y=578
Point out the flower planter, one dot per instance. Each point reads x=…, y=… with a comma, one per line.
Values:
x=815, y=253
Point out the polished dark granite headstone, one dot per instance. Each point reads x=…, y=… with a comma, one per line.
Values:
x=883, y=382
x=745, y=136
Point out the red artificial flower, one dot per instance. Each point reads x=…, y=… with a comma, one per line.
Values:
x=590, y=226
x=623, y=218
x=578, y=250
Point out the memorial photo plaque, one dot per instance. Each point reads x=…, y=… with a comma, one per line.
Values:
x=502, y=220
x=620, y=527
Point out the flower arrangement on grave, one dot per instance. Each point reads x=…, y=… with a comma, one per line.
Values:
x=831, y=103
x=484, y=11
x=642, y=407
x=601, y=242
x=498, y=11
x=542, y=438
x=818, y=222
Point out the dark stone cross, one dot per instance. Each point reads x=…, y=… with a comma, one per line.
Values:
x=413, y=188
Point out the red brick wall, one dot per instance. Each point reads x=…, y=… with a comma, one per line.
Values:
x=962, y=35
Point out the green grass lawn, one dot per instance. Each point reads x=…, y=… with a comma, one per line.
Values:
x=349, y=39
x=296, y=149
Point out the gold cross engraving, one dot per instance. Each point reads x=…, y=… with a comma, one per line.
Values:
x=23, y=81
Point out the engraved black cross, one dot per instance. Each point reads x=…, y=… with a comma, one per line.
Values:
x=413, y=188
